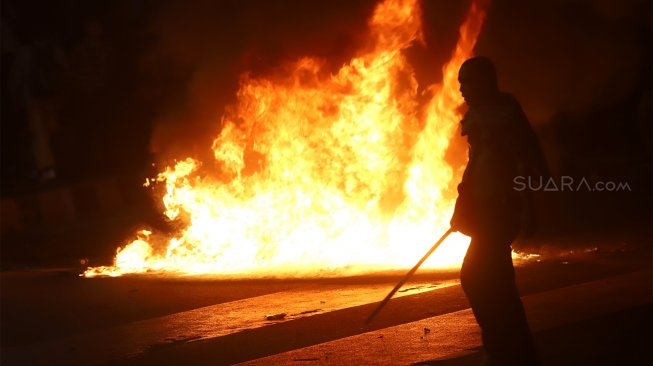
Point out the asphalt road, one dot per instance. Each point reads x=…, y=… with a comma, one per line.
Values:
x=53, y=317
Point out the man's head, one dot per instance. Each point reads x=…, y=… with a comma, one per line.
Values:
x=478, y=81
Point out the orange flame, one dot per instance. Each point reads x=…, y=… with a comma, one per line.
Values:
x=321, y=174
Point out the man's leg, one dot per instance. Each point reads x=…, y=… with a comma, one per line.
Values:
x=487, y=277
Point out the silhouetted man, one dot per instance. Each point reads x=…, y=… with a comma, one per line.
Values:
x=502, y=145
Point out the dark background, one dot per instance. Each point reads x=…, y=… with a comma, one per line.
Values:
x=143, y=82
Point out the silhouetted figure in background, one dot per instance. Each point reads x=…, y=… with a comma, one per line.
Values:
x=36, y=78
x=90, y=105
x=502, y=145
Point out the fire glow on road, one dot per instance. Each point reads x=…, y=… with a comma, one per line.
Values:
x=208, y=322
x=318, y=174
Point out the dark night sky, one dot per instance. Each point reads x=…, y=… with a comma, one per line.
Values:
x=569, y=54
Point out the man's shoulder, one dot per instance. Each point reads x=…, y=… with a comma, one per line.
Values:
x=504, y=110
x=508, y=101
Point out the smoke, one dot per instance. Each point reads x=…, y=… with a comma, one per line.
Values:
x=202, y=48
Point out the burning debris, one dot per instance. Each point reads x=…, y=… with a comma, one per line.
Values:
x=319, y=174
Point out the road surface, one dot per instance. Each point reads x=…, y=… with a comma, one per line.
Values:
x=592, y=306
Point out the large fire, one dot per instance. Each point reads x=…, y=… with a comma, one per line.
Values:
x=319, y=174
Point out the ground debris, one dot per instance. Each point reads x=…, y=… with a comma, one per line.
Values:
x=410, y=288
x=278, y=316
x=306, y=359
x=418, y=287
x=309, y=312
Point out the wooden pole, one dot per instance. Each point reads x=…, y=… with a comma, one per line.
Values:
x=407, y=277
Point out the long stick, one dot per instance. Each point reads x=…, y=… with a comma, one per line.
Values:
x=406, y=277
